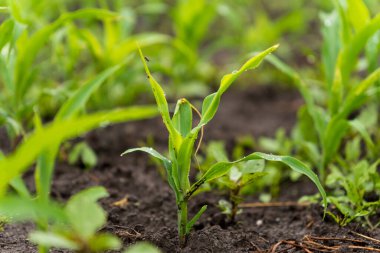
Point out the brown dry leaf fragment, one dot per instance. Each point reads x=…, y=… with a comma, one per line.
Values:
x=122, y=202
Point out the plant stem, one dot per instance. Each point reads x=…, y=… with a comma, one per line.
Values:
x=234, y=200
x=182, y=222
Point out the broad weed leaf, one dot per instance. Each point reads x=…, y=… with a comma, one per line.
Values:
x=26, y=209
x=141, y=247
x=102, y=242
x=86, y=216
x=50, y=240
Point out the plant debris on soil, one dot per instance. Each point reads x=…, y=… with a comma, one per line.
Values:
x=142, y=207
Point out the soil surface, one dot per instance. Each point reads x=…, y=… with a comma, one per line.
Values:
x=149, y=210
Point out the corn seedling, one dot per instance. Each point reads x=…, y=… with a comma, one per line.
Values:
x=182, y=137
x=330, y=115
x=18, y=69
x=329, y=124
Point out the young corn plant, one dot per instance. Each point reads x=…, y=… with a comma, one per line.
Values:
x=329, y=124
x=19, y=51
x=330, y=108
x=182, y=138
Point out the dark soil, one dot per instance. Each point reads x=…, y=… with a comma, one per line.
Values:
x=150, y=210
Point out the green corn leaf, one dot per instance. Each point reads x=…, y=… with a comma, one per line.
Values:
x=221, y=168
x=183, y=117
x=162, y=105
x=357, y=95
x=358, y=14
x=20, y=187
x=15, y=10
x=81, y=96
x=196, y=217
x=53, y=240
x=4, y=9
x=315, y=112
x=150, y=151
x=44, y=171
x=372, y=51
x=217, y=170
x=31, y=47
x=211, y=102
x=5, y=76
x=84, y=214
x=46, y=160
x=184, y=160
x=360, y=128
x=6, y=30
x=331, y=44
x=172, y=179
x=60, y=131
x=345, y=29
x=332, y=138
x=253, y=166
x=120, y=51
x=92, y=43
x=348, y=57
